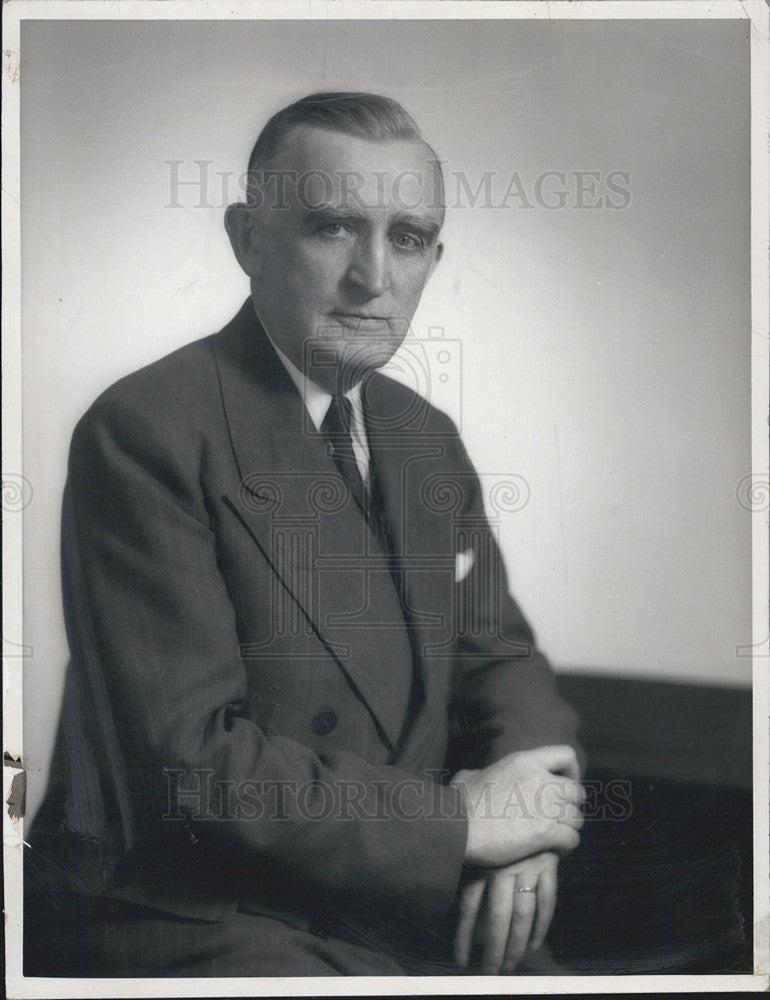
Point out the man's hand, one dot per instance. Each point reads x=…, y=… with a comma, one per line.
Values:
x=505, y=921
x=524, y=804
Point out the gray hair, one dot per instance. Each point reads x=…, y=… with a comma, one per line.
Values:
x=368, y=116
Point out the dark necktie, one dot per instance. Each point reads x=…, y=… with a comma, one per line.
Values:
x=336, y=426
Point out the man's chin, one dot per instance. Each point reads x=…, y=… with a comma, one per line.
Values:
x=348, y=363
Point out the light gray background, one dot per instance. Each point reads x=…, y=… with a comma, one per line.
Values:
x=600, y=356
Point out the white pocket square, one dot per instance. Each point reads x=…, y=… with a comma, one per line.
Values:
x=464, y=564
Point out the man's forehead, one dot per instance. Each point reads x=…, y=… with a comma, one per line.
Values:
x=322, y=166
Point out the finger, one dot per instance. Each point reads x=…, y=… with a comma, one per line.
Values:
x=573, y=791
x=565, y=789
x=500, y=904
x=559, y=810
x=470, y=902
x=558, y=759
x=571, y=815
x=547, y=887
x=524, y=907
x=563, y=838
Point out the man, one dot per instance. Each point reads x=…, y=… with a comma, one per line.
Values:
x=305, y=730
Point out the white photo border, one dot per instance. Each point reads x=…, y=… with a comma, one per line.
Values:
x=754, y=11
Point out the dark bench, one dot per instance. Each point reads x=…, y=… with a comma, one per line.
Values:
x=662, y=881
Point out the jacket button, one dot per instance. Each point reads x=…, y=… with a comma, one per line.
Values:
x=324, y=722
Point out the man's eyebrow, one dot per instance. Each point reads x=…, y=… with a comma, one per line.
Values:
x=321, y=213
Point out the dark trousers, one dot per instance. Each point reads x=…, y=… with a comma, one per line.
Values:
x=663, y=888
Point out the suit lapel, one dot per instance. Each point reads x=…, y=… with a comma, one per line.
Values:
x=299, y=511
x=411, y=457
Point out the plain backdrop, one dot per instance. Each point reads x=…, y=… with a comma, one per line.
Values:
x=597, y=359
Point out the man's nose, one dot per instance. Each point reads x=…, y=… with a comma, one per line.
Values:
x=369, y=268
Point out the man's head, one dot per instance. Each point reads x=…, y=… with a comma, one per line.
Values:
x=340, y=232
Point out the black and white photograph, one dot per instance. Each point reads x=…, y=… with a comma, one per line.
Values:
x=385, y=497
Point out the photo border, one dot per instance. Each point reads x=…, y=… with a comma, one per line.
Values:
x=754, y=11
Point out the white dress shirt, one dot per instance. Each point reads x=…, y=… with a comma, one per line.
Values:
x=317, y=402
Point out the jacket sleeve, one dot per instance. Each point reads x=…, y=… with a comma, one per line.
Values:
x=154, y=646
x=505, y=696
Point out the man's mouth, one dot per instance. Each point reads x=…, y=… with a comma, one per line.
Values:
x=360, y=321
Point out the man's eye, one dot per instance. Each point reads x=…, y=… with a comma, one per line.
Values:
x=332, y=228
x=407, y=241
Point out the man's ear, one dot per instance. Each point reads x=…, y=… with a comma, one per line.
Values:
x=242, y=228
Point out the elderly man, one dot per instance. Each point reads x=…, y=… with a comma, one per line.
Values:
x=305, y=730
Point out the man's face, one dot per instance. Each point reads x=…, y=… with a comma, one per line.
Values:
x=343, y=245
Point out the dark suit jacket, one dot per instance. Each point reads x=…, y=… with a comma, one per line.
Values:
x=237, y=722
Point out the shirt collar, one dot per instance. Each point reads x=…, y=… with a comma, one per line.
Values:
x=317, y=400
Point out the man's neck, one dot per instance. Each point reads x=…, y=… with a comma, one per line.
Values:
x=316, y=399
